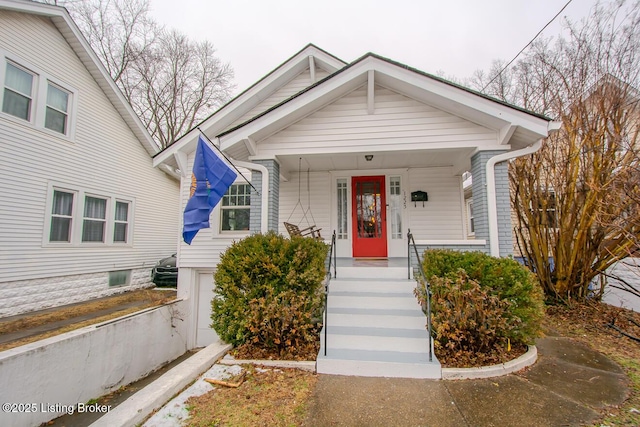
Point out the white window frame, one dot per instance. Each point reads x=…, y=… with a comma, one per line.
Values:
x=342, y=197
x=471, y=223
x=40, y=84
x=127, y=234
x=31, y=96
x=235, y=207
x=77, y=220
x=105, y=221
x=390, y=217
x=51, y=215
x=64, y=113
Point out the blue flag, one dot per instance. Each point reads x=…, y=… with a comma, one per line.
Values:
x=211, y=178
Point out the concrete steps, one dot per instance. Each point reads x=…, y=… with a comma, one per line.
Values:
x=375, y=326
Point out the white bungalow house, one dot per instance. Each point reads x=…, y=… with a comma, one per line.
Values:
x=343, y=146
x=83, y=212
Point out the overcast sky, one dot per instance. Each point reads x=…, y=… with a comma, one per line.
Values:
x=455, y=37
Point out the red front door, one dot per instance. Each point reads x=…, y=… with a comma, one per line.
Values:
x=369, y=216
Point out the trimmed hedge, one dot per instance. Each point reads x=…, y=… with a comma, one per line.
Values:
x=481, y=303
x=268, y=291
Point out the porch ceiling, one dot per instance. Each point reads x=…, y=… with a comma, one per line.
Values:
x=458, y=159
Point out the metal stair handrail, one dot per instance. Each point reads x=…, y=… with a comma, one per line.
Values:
x=423, y=282
x=332, y=257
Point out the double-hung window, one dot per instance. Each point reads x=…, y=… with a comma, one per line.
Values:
x=18, y=92
x=36, y=97
x=78, y=217
x=121, y=223
x=61, y=216
x=57, y=111
x=94, y=220
x=236, y=208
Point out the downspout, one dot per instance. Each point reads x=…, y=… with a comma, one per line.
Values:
x=264, y=214
x=492, y=204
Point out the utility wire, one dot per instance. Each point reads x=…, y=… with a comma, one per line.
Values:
x=528, y=44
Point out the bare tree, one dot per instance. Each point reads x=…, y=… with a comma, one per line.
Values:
x=172, y=82
x=182, y=82
x=577, y=199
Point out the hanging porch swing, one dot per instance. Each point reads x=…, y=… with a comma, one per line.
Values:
x=294, y=229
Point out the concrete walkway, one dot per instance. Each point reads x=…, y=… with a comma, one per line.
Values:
x=568, y=386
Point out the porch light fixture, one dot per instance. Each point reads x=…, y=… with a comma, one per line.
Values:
x=368, y=157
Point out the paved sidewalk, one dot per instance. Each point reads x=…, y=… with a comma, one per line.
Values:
x=568, y=386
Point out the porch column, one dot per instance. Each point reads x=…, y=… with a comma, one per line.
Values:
x=480, y=202
x=273, y=207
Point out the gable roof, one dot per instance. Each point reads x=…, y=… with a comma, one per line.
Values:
x=515, y=126
x=70, y=31
x=241, y=104
x=390, y=61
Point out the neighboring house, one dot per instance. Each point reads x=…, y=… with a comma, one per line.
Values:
x=83, y=212
x=347, y=144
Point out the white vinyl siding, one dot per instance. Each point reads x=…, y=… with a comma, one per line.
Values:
x=297, y=84
x=345, y=125
x=441, y=217
x=105, y=158
x=316, y=202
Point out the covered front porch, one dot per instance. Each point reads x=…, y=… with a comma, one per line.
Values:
x=371, y=199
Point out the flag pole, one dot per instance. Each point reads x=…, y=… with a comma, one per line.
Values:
x=228, y=161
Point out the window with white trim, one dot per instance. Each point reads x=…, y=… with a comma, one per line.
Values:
x=94, y=220
x=121, y=222
x=18, y=92
x=471, y=226
x=235, y=208
x=57, y=109
x=395, y=204
x=341, y=232
x=35, y=97
x=78, y=217
x=61, y=216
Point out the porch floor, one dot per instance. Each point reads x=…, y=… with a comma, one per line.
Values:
x=372, y=262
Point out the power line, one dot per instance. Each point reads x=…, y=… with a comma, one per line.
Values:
x=528, y=44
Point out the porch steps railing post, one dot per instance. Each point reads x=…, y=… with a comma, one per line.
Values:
x=421, y=282
x=332, y=256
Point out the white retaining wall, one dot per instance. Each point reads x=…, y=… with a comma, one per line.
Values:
x=22, y=296
x=54, y=375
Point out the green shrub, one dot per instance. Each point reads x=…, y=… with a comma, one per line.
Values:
x=468, y=322
x=502, y=278
x=267, y=291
